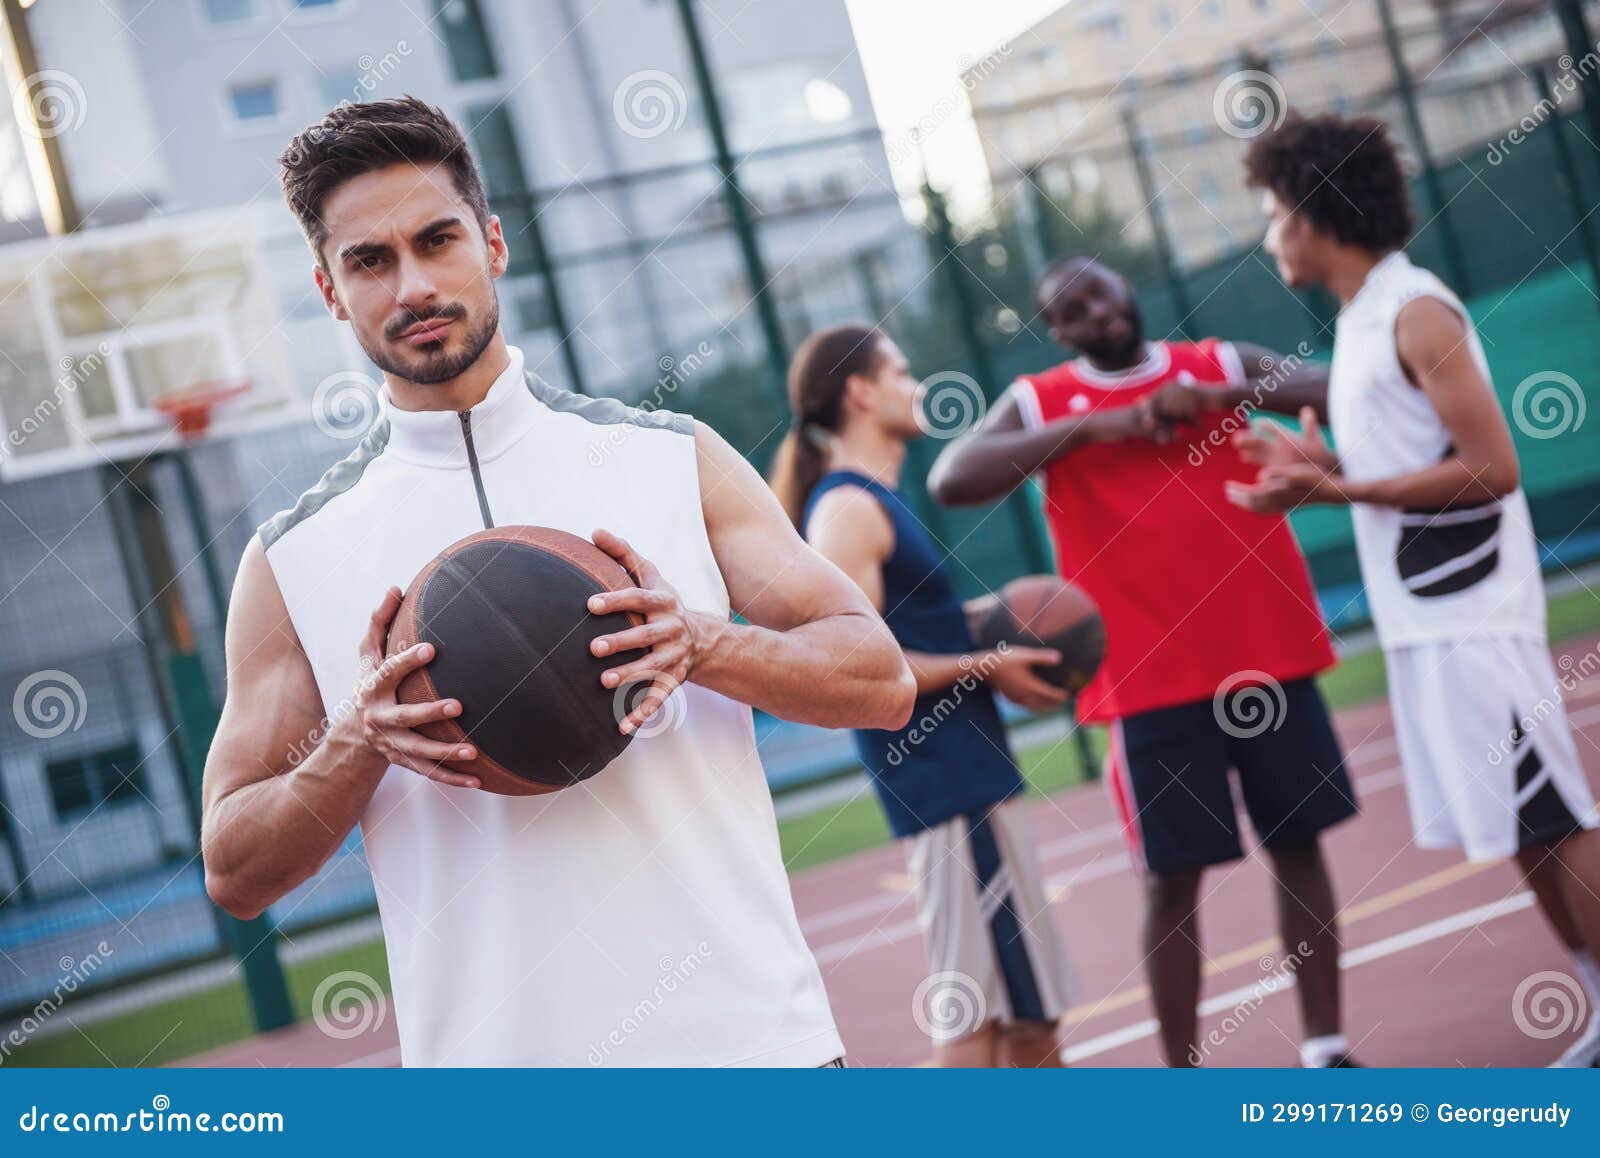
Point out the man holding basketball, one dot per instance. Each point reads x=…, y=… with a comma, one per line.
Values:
x=642, y=917
x=1212, y=628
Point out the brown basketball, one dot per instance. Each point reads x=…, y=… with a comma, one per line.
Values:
x=507, y=613
x=1047, y=611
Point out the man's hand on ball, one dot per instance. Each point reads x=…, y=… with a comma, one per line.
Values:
x=669, y=635
x=387, y=728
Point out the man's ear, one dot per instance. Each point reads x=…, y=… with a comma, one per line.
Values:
x=858, y=390
x=330, y=297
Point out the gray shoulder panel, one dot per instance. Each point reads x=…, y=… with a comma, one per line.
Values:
x=340, y=477
x=606, y=411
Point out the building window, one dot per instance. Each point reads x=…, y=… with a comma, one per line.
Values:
x=1262, y=5
x=1165, y=20
x=1213, y=11
x=257, y=101
x=224, y=12
x=465, y=39
x=83, y=783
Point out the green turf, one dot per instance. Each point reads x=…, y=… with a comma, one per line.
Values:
x=193, y=1023
x=858, y=825
x=201, y=1021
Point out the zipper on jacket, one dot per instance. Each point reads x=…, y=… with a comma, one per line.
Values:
x=472, y=461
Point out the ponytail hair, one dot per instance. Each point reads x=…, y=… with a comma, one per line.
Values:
x=817, y=378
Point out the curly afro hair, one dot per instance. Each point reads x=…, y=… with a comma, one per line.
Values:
x=1343, y=174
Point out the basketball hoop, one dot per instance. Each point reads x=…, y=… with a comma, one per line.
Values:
x=189, y=408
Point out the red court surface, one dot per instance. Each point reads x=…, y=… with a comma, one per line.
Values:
x=1434, y=947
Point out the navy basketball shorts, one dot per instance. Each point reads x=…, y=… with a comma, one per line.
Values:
x=1169, y=773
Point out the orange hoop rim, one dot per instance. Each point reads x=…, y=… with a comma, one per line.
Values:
x=189, y=408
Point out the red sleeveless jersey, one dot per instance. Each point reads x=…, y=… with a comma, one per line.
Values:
x=1194, y=590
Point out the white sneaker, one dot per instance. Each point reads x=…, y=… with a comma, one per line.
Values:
x=1585, y=1052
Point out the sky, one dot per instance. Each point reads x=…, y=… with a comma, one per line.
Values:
x=913, y=52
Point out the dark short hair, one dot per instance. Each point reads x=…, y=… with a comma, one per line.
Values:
x=353, y=139
x=1342, y=174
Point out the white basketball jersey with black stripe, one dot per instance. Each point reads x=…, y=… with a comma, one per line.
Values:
x=1464, y=571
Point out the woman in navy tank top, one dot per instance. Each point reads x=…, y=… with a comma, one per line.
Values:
x=946, y=781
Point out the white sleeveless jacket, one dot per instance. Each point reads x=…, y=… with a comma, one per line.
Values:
x=1431, y=576
x=641, y=918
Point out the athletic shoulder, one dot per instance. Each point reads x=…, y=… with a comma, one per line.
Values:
x=851, y=509
x=1211, y=360
x=603, y=411
x=335, y=481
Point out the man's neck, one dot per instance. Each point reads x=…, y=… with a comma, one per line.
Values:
x=462, y=392
x=1120, y=363
x=870, y=452
x=1349, y=272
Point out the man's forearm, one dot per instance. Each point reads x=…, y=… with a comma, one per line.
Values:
x=1285, y=394
x=934, y=672
x=263, y=839
x=994, y=463
x=1452, y=482
x=839, y=671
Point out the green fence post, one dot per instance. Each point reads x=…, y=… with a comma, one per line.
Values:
x=1033, y=547
x=1044, y=209
x=1158, y=225
x=552, y=293
x=1567, y=174
x=1455, y=265
x=148, y=558
x=738, y=208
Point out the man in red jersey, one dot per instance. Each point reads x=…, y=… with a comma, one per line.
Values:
x=1213, y=630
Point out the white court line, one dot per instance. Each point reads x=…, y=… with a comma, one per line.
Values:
x=1379, y=780
x=1111, y=833
x=1280, y=982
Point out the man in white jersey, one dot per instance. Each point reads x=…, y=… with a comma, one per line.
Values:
x=642, y=917
x=1426, y=462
